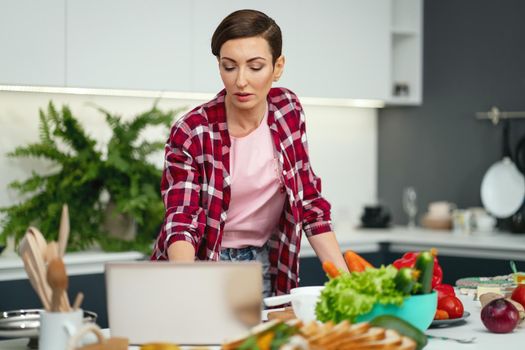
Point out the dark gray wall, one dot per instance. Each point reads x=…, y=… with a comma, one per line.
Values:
x=474, y=58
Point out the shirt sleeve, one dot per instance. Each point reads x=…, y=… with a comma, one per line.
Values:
x=316, y=209
x=184, y=218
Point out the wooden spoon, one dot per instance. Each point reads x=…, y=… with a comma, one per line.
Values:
x=38, y=265
x=52, y=251
x=40, y=241
x=33, y=279
x=58, y=281
x=63, y=230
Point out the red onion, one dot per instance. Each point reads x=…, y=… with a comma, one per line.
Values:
x=500, y=316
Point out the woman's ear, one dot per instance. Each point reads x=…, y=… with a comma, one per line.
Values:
x=278, y=68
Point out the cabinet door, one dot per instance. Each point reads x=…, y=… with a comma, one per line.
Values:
x=32, y=42
x=139, y=44
x=343, y=49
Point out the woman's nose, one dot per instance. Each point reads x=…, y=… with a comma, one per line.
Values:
x=241, y=79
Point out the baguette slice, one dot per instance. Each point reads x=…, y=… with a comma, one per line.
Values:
x=391, y=341
x=359, y=328
x=373, y=334
x=331, y=340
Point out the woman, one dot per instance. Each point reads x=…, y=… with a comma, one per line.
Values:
x=237, y=183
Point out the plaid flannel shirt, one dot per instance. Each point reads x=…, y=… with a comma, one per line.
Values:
x=196, y=185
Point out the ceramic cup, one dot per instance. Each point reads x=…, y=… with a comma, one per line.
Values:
x=56, y=328
x=440, y=210
x=485, y=223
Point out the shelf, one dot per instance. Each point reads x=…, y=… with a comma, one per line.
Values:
x=406, y=53
x=402, y=101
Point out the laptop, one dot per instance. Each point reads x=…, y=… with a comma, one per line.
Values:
x=200, y=303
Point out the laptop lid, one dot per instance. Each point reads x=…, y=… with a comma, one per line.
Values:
x=201, y=303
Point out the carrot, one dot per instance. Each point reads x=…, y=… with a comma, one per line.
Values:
x=330, y=269
x=355, y=262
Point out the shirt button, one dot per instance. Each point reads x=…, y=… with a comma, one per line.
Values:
x=284, y=172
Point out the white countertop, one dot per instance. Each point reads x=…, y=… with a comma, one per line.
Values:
x=80, y=263
x=472, y=327
x=495, y=245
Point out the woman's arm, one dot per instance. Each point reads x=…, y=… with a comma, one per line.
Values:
x=316, y=220
x=184, y=219
x=181, y=251
x=327, y=249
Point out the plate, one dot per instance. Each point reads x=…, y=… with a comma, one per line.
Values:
x=450, y=322
x=26, y=323
x=502, y=189
x=496, y=281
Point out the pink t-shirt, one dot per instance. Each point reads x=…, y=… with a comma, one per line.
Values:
x=257, y=196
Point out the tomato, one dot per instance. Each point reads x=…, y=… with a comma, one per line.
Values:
x=443, y=290
x=451, y=305
x=518, y=294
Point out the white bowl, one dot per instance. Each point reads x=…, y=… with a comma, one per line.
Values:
x=303, y=301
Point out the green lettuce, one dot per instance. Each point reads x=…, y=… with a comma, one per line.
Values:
x=352, y=294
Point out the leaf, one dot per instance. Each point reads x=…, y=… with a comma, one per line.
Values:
x=80, y=175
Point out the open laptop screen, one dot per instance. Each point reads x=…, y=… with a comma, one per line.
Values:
x=201, y=303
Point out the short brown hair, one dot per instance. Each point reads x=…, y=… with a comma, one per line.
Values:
x=246, y=24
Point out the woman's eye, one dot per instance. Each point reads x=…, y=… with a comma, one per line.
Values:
x=228, y=68
x=256, y=68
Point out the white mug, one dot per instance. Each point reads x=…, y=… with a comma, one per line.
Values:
x=56, y=328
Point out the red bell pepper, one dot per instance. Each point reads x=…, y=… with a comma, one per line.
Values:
x=409, y=260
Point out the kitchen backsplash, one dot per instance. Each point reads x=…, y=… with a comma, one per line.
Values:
x=342, y=142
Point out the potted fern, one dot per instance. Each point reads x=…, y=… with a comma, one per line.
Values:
x=92, y=182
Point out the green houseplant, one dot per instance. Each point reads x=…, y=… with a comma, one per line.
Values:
x=91, y=180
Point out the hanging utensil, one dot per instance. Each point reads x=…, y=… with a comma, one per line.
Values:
x=503, y=186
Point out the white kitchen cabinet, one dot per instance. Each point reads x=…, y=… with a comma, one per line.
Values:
x=338, y=49
x=406, y=79
x=137, y=44
x=341, y=49
x=32, y=50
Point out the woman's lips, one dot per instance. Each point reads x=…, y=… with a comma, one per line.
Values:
x=243, y=97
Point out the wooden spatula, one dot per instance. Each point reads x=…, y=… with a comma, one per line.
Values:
x=58, y=281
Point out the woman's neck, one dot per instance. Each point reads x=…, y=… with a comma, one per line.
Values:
x=242, y=122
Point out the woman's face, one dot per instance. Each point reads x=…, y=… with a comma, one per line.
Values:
x=247, y=72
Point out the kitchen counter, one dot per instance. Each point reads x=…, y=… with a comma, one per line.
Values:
x=495, y=245
x=78, y=263
x=472, y=327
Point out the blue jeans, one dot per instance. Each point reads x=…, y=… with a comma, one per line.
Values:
x=252, y=254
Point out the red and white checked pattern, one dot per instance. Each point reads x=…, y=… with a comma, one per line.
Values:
x=196, y=185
